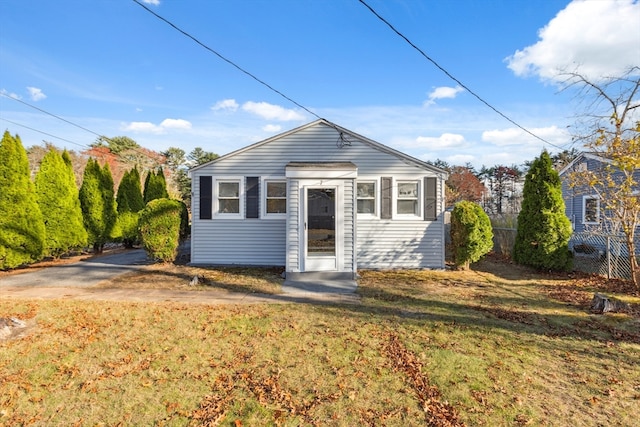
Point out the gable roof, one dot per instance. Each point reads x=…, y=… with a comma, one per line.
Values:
x=376, y=145
x=584, y=155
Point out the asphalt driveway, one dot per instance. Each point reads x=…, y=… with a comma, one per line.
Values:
x=78, y=281
x=86, y=273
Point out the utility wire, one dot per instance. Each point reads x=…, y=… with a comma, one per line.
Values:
x=372, y=10
x=44, y=133
x=228, y=61
x=105, y=138
x=53, y=115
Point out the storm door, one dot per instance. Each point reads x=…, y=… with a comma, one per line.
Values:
x=320, y=229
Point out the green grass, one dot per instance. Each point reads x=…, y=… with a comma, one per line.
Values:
x=499, y=346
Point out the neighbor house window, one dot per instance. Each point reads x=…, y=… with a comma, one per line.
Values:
x=228, y=197
x=407, y=199
x=591, y=210
x=276, y=194
x=366, y=195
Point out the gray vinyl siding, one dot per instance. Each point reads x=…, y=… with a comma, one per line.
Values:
x=389, y=244
x=382, y=243
x=349, y=226
x=293, y=225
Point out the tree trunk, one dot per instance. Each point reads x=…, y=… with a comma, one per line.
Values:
x=633, y=261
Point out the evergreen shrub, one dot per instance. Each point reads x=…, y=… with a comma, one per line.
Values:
x=160, y=228
x=471, y=233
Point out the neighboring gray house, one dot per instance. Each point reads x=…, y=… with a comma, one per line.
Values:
x=318, y=198
x=582, y=204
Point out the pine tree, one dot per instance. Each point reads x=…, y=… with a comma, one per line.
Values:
x=57, y=198
x=130, y=203
x=155, y=186
x=76, y=233
x=22, y=231
x=129, y=198
x=98, y=204
x=542, y=240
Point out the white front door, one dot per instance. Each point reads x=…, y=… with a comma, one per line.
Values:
x=322, y=222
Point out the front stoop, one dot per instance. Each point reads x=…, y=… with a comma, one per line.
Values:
x=320, y=283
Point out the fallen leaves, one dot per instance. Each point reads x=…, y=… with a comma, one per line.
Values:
x=438, y=413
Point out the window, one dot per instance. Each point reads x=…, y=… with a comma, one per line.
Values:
x=407, y=200
x=590, y=210
x=276, y=195
x=228, y=197
x=366, y=195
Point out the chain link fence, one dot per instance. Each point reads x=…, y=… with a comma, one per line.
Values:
x=602, y=254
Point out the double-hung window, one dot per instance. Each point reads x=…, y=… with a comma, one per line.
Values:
x=366, y=197
x=276, y=197
x=228, y=197
x=407, y=200
x=590, y=210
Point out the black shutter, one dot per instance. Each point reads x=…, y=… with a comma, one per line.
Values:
x=252, y=194
x=430, y=199
x=205, y=197
x=386, y=199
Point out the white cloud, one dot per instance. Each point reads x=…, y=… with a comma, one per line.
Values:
x=595, y=38
x=272, y=128
x=443, y=92
x=10, y=94
x=175, y=124
x=226, y=104
x=162, y=128
x=271, y=112
x=36, y=94
x=444, y=141
x=518, y=137
x=153, y=2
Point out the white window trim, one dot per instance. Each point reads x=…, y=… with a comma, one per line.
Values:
x=413, y=216
x=263, y=197
x=377, y=195
x=241, y=195
x=584, y=209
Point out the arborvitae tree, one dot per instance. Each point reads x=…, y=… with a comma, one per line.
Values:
x=129, y=198
x=155, y=186
x=22, y=231
x=542, y=240
x=471, y=233
x=98, y=204
x=57, y=197
x=130, y=202
x=76, y=233
x=160, y=228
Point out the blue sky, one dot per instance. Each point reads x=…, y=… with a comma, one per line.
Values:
x=112, y=68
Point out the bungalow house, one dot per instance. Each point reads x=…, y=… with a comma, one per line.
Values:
x=584, y=207
x=583, y=203
x=318, y=198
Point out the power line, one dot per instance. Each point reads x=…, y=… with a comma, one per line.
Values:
x=53, y=115
x=372, y=10
x=228, y=61
x=44, y=133
x=105, y=138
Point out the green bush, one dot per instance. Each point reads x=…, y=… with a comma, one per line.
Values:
x=160, y=228
x=22, y=230
x=126, y=229
x=58, y=200
x=544, y=230
x=471, y=233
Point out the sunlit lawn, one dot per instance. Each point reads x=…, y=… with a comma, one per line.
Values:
x=498, y=346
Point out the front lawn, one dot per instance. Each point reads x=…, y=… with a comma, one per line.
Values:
x=497, y=346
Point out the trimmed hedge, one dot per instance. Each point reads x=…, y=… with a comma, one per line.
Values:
x=159, y=226
x=471, y=233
